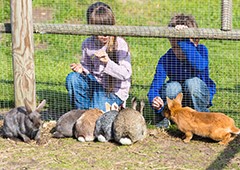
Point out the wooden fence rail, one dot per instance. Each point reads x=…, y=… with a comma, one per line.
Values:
x=133, y=31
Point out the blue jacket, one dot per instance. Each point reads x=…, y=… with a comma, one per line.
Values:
x=195, y=65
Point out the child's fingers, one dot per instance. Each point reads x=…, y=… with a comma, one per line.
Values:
x=157, y=103
x=100, y=54
x=180, y=27
x=72, y=65
x=76, y=67
x=158, y=100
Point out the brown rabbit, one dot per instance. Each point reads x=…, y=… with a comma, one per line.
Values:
x=85, y=125
x=216, y=126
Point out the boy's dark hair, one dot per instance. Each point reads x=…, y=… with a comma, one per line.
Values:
x=182, y=19
x=100, y=13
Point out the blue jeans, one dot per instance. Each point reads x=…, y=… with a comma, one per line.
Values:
x=195, y=93
x=85, y=92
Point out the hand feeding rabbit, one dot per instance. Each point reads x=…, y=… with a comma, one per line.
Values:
x=85, y=125
x=129, y=125
x=64, y=126
x=216, y=126
x=23, y=123
x=103, y=130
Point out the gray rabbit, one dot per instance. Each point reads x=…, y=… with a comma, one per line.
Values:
x=23, y=123
x=103, y=129
x=129, y=125
x=65, y=123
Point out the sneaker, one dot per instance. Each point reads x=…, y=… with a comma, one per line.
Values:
x=164, y=124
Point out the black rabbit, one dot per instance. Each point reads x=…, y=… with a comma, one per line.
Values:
x=23, y=123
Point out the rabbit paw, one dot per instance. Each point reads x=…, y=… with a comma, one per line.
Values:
x=222, y=143
x=186, y=140
x=26, y=139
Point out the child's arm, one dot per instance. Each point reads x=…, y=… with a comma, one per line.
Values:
x=198, y=59
x=123, y=69
x=157, y=83
x=85, y=60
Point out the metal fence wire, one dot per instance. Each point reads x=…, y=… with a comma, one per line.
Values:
x=60, y=28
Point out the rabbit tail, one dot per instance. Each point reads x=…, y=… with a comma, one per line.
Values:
x=86, y=139
x=125, y=141
x=101, y=138
x=81, y=139
x=235, y=131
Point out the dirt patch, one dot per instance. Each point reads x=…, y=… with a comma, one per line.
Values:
x=160, y=150
x=41, y=15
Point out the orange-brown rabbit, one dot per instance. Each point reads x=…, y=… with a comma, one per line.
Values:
x=85, y=125
x=216, y=126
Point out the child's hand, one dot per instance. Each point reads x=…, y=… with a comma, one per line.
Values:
x=194, y=41
x=76, y=67
x=102, y=56
x=157, y=103
x=180, y=27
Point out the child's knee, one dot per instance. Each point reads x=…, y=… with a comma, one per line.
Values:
x=71, y=76
x=193, y=85
x=173, y=89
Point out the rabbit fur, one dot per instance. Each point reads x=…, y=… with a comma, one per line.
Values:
x=23, y=123
x=64, y=126
x=216, y=126
x=129, y=125
x=103, y=130
x=85, y=125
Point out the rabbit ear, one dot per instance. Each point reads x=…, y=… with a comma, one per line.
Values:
x=115, y=106
x=40, y=106
x=134, y=103
x=107, y=106
x=179, y=98
x=142, y=104
x=27, y=106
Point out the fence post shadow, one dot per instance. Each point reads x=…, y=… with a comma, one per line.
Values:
x=226, y=155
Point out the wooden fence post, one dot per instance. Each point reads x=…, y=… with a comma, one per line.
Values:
x=226, y=17
x=23, y=52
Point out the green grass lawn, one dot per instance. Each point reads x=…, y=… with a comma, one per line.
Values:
x=54, y=53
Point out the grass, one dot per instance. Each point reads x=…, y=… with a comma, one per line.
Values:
x=54, y=53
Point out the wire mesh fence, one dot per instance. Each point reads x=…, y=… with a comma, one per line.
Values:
x=55, y=52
